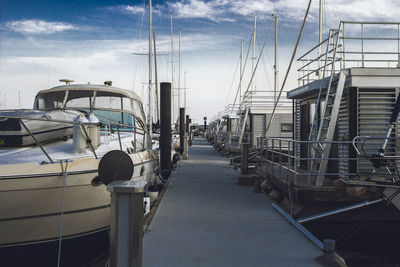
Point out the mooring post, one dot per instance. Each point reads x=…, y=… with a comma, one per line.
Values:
x=181, y=130
x=244, y=164
x=185, y=152
x=126, y=232
x=165, y=129
x=328, y=255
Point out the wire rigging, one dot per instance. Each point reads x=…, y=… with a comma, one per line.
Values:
x=290, y=65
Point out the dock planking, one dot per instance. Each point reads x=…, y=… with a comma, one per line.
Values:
x=206, y=219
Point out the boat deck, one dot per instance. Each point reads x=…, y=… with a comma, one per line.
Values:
x=206, y=219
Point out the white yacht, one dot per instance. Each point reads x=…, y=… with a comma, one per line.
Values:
x=55, y=181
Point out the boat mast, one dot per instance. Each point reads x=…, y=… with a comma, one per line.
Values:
x=276, y=56
x=320, y=40
x=254, y=49
x=179, y=70
x=155, y=77
x=184, y=90
x=172, y=71
x=241, y=71
x=149, y=119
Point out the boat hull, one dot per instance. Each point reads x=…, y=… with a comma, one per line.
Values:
x=31, y=204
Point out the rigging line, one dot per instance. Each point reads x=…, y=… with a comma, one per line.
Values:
x=265, y=70
x=290, y=65
x=258, y=60
x=139, y=28
x=64, y=172
x=233, y=79
x=244, y=67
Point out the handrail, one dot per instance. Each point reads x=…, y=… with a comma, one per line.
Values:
x=357, y=48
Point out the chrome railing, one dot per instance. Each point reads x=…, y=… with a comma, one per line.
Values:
x=361, y=44
x=283, y=155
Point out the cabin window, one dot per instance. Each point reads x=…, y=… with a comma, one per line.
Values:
x=106, y=117
x=286, y=127
x=52, y=100
x=109, y=102
x=82, y=102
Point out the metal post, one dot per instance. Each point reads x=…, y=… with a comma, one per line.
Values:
x=181, y=130
x=276, y=57
x=244, y=167
x=398, y=45
x=320, y=40
x=165, y=129
x=362, y=45
x=126, y=232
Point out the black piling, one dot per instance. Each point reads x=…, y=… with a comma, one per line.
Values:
x=187, y=124
x=165, y=129
x=181, y=130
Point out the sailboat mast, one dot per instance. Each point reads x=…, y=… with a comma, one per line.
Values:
x=320, y=40
x=254, y=49
x=156, y=77
x=149, y=119
x=184, y=90
x=172, y=71
x=276, y=57
x=179, y=70
x=241, y=71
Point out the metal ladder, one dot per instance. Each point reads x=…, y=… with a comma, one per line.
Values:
x=241, y=126
x=325, y=118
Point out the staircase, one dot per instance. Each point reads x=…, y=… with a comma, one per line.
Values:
x=326, y=110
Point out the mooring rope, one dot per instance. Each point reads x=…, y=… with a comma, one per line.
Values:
x=64, y=173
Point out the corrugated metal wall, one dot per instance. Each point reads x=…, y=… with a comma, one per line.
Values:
x=258, y=127
x=375, y=107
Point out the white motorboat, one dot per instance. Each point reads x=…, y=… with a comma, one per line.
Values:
x=56, y=181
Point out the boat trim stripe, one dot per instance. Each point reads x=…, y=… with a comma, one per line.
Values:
x=19, y=176
x=54, y=214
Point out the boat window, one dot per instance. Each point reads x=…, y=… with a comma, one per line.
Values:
x=53, y=100
x=109, y=102
x=106, y=117
x=83, y=102
x=138, y=109
x=126, y=103
x=286, y=127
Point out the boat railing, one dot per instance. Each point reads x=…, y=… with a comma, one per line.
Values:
x=359, y=44
x=262, y=98
x=290, y=158
x=231, y=108
x=108, y=128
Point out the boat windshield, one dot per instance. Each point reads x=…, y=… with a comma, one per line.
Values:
x=105, y=104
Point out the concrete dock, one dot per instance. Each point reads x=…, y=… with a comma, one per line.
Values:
x=206, y=219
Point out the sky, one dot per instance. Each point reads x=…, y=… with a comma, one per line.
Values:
x=42, y=41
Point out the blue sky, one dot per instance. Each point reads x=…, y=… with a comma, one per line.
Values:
x=42, y=41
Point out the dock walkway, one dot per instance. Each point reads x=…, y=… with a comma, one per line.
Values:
x=206, y=219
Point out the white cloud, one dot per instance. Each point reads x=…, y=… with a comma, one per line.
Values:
x=36, y=26
x=127, y=9
x=134, y=9
x=290, y=10
x=198, y=9
x=252, y=7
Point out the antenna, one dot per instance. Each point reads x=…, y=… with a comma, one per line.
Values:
x=66, y=81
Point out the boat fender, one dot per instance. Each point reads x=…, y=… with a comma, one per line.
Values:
x=175, y=158
x=94, y=130
x=266, y=186
x=339, y=185
x=115, y=165
x=355, y=191
x=276, y=195
x=79, y=136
